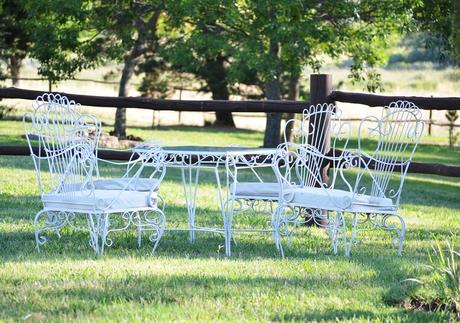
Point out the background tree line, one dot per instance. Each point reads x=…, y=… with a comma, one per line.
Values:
x=223, y=43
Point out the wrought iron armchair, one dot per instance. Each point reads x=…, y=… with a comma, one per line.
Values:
x=311, y=132
x=71, y=188
x=366, y=190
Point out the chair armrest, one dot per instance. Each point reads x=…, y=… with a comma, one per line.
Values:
x=154, y=157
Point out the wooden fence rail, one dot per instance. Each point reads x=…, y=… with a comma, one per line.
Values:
x=176, y=105
x=375, y=100
x=320, y=87
x=429, y=103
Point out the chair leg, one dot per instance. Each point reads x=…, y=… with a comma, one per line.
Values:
x=334, y=228
x=39, y=240
x=276, y=223
x=354, y=231
x=104, y=228
x=162, y=202
x=55, y=220
x=159, y=230
x=139, y=230
x=402, y=234
x=94, y=230
x=228, y=221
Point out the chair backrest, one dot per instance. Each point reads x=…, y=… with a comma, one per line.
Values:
x=395, y=136
x=321, y=131
x=67, y=140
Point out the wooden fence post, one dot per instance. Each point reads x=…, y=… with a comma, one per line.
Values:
x=320, y=89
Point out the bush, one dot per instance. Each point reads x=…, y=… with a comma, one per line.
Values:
x=441, y=290
x=4, y=111
x=445, y=267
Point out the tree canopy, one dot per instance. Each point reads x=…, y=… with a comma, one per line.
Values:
x=222, y=42
x=15, y=37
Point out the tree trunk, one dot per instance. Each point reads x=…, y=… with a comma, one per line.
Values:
x=293, y=95
x=14, y=66
x=146, y=34
x=216, y=78
x=273, y=92
x=120, y=115
x=273, y=123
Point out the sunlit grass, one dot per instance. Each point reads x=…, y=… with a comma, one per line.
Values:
x=184, y=281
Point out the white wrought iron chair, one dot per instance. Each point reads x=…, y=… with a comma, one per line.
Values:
x=364, y=191
x=312, y=132
x=71, y=188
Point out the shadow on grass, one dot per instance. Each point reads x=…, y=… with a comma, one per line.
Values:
x=19, y=244
x=175, y=289
x=18, y=241
x=351, y=315
x=156, y=289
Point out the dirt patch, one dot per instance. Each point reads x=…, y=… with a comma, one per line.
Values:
x=108, y=141
x=432, y=306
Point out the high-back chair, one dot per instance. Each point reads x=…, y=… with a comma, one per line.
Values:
x=366, y=191
x=66, y=163
x=317, y=125
x=384, y=165
x=319, y=143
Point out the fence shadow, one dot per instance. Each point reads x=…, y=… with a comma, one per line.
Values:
x=151, y=287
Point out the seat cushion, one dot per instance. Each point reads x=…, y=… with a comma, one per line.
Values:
x=315, y=197
x=102, y=200
x=256, y=190
x=140, y=184
x=339, y=200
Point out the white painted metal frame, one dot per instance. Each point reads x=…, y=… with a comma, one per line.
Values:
x=398, y=131
x=68, y=176
x=190, y=160
x=236, y=162
x=290, y=174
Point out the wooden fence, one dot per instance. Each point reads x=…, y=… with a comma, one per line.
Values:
x=320, y=91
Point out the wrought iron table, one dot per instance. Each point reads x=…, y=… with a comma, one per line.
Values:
x=191, y=159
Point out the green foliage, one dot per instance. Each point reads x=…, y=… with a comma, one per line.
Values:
x=422, y=47
x=441, y=18
x=441, y=288
x=306, y=32
x=65, y=42
x=444, y=262
x=4, y=111
x=15, y=38
x=70, y=36
x=157, y=85
x=371, y=79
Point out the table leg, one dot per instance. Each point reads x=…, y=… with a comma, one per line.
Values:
x=226, y=219
x=190, y=183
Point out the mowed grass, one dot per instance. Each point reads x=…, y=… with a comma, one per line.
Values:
x=184, y=281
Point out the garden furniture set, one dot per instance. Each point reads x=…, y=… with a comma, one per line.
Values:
x=319, y=176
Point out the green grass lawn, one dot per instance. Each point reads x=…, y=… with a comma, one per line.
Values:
x=184, y=281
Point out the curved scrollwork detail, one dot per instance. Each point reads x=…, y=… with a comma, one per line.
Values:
x=396, y=133
x=153, y=221
x=376, y=221
x=53, y=221
x=67, y=145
